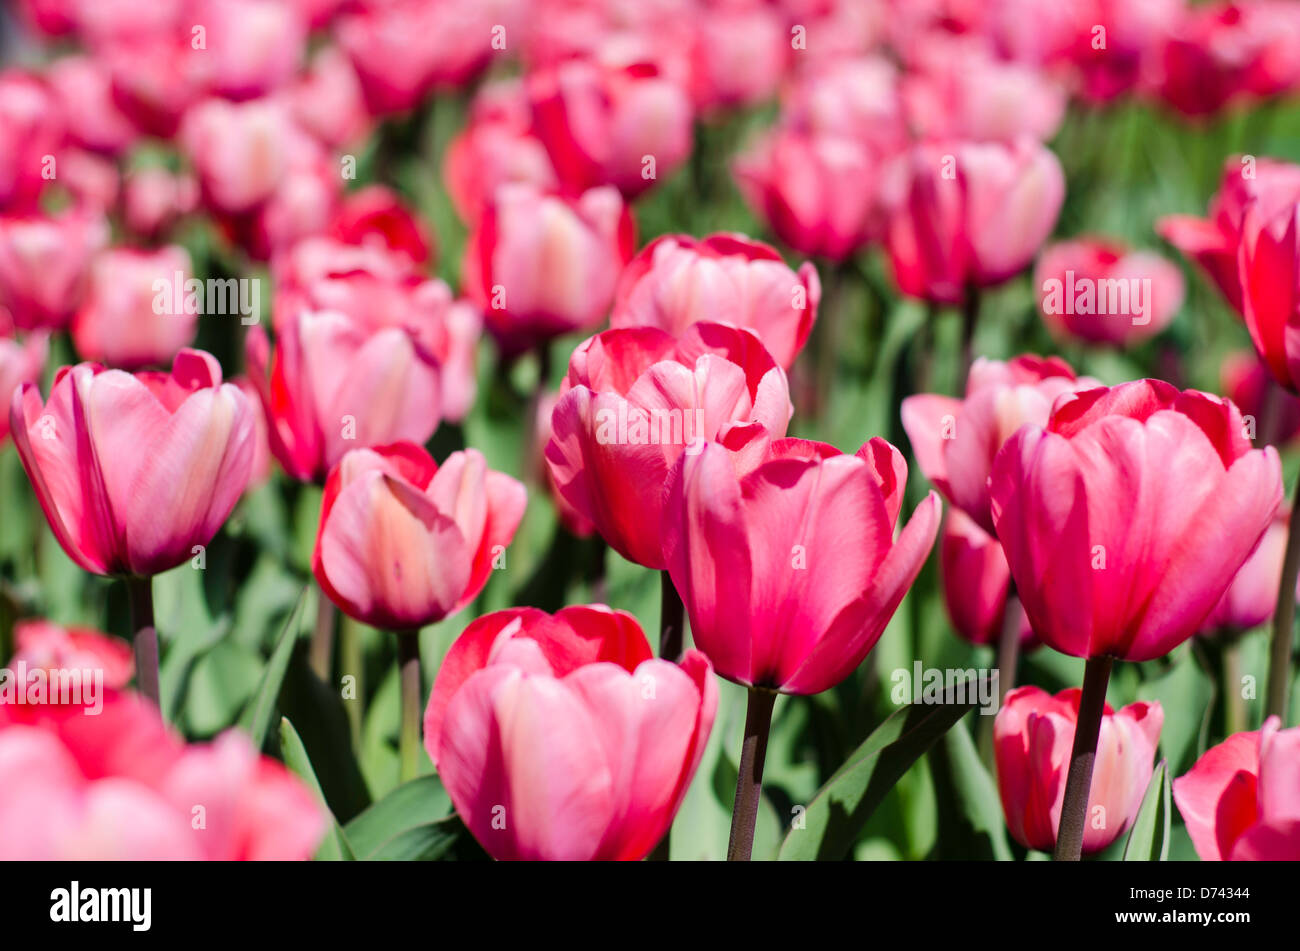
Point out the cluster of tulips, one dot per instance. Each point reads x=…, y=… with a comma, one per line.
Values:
x=158, y=142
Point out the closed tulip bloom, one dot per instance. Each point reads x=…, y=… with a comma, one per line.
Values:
x=972, y=215
x=1211, y=242
x=568, y=729
x=855, y=98
x=336, y=385
x=84, y=89
x=134, y=471
x=326, y=100
x=31, y=127
x=955, y=441
x=1099, y=291
x=677, y=280
x=821, y=194
x=1251, y=598
x=1126, y=518
x=121, y=786
x=1275, y=413
x=47, y=646
x=1032, y=737
x=238, y=150
x=403, y=542
x=540, y=437
x=375, y=215
x=635, y=400
x=157, y=74
x=791, y=571
x=126, y=319
x=976, y=579
x=45, y=265
x=21, y=361
x=1239, y=799
x=739, y=56
x=154, y=199
x=1268, y=256
x=540, y=265
x=253, y=46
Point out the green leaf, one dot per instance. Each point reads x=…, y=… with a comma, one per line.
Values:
x=410, y=822
x=1148, y=840
x=335, y=847
x=970, y=816
x=256, y=718
x=835, y=816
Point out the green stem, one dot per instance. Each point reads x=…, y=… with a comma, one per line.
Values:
x=353, y=658
x=408, y=660
x=970, y=315
x=749, y=781
x=1009, y=642
x=1078, y=782
x=1234, y=705
x=672, y=619
x=1279, y=655
x=321, y=652
x=144, y=637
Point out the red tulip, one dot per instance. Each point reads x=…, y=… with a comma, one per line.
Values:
x=1239, y=799
x=791, y=571
x=955, y=441
x=336, y=384
x=975, y=582
x=31, y=128
x=1268, y=257
x=540, y=265
x=121, y=786
x=45, y=265
x=375, y=215
x=677, y=280
x=627, y=127
x=637, y=399
x=48, y=646
x=1126, y=518
x=1032, y=737
x=1100, y=292
x=120, y=323
x=562, y=737
x=403, y=542
x=1212, y=242
x=972, y=215
x=133, y=472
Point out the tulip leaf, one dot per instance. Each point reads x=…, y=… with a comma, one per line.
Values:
x=410, y=822
x=335, y=847
x=1148, y=840
x=257, y=716
x=837, y=813
x=971, y=825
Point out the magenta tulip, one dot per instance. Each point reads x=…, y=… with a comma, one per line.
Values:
x=976, y=581
x=45, y=265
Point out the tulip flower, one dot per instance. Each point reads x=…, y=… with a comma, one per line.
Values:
x=136, y=474
x=31, y=128
x=976, y=587
x=1146, y=502
x=121, y=786
x=326, y=100
x=45, y=265
x=238, y=150
x=540, y=265
x=1239, y=799
x=375, y=215
x=849, y=98
x=1272, y=412
x=789, y=572
x=157, y=74
x=253, y=46
x=20, y=362
x=336, y=385
x=154, y=199
x=635, y=400
x=625, y=127
x=1032, y=736
x=739, y=56
x=119, y=323
x=560, y=737
x=84, y=89
x=677, y=280
x=44, y=645
x=403, y=542
x=1098, y=291
x=573, y=521
x=1212, y=242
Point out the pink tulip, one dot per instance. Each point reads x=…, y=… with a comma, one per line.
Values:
x=637, y=399
x=1212, y=242
x=238, y=150
x=1239, y=799
x=955, y=441
x=376, y=215
x=154, y=199
x=120, y=323
x=573, y=521
x=84, y=89
x=1272, y=411
x=677, y=280
x=157, y=72
x=47, y=646
x=261, y=468
x=45, y=265
x=1100, y=292
x=253, y=46
x=849, y=98
x=975, y=582
x=303, y=204
x=327, y=101
x=121, y=786
x=336, y=384
x=1252, y=595
x=540, y=265
x=92, y=180
x=739, y=56
x=31, y=129
x=1110, y=64
x=972, y=215
x=495, y=147
x=791, y=571
x=1032, y=736
x=1268, y=258
x=133, y=472
x=1125, y=519
x=21, y=361
x=561, y=737
x=603, y=125
x=821, y=194
x=403, y=542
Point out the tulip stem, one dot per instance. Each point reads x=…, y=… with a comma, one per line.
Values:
x=1234, y=705
x=749, y=782
x=970, y=315
x=1078, y=782
x=321, y=653
x=672, y=619
x=144, y=637
x=408, y=660
x=1279, y=659
x=1009, y=643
